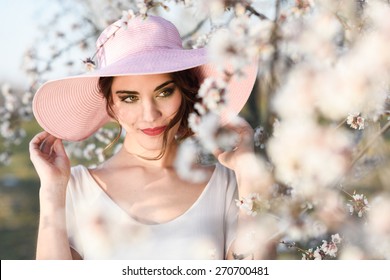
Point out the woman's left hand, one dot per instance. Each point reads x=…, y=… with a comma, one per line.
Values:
x=245, y=144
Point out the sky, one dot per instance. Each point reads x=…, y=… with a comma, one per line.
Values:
x=19, y=27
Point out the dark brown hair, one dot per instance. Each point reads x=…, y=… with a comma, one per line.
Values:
x=188, y=84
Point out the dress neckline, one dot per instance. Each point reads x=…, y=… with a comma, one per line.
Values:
x=133, y=219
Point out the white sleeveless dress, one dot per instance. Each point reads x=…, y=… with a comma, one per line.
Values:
x=99, y=229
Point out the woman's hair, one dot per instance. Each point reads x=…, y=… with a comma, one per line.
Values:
x=188, y=84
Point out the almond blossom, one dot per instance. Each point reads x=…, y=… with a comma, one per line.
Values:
x=326, y=249
x=213, y=95
x=239, y=44
x=307, y=156
x=355, y=121
x=252, y=204
x=330, y=248
x=126, y=16
x=189, y=156
x=358, y=204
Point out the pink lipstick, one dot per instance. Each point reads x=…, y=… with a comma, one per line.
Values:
x=154, y=131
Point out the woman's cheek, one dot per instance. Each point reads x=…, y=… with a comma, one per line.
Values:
x=125, y=118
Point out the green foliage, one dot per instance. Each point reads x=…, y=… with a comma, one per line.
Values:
x=19, y=204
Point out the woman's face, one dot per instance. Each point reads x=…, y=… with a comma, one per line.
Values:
x=144, y=106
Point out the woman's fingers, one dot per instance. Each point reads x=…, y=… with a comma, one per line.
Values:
x=36, y=142
x=42, y=145
x=245, y=133
x=47, y=144
x=47, y=153
x=243, y=143
x=38, y=139
x=59, y=148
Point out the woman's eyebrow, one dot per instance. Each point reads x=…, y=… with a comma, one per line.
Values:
x=163, y=85
x=136, y=92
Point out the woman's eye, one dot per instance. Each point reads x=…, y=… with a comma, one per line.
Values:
x=166, y=92
x=129, y=99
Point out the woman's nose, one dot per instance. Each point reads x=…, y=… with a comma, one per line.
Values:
x=150, y=111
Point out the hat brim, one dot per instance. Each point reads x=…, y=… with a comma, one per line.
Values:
x=73, y=108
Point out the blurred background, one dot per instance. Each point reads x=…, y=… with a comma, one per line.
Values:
x=48, y=39
x=21, y=21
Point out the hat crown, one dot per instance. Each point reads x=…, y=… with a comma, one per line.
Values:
x=141, y=35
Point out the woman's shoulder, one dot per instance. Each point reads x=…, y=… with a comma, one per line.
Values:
x=222, y=180
x=79, y=177
x=78, y=171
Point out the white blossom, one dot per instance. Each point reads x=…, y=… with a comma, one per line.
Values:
x=206, y=129
x=240, y=44
x=302, y=7
x=329, y=248
x=336, y=238
x=213, y=94
x=355, y=121
x=215, y=8
x=358, y=204
x=142, y=7
x=308, y=156
x=297, y=97
x=311, y=254
x=326, y=249
x=186, y=161
x=252, y=204
x=317, y=254
x=126, y=17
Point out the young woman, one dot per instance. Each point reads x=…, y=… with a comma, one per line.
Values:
x=134, y=205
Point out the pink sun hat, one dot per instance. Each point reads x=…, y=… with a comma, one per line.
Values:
x=73, y=108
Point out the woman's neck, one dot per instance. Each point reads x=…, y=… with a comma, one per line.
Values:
x=149, y=158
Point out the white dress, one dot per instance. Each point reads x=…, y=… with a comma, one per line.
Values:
x=99, y=229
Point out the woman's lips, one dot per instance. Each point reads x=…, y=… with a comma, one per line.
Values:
x=154, y=131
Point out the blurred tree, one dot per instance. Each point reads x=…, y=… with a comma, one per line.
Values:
x=320, y=106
